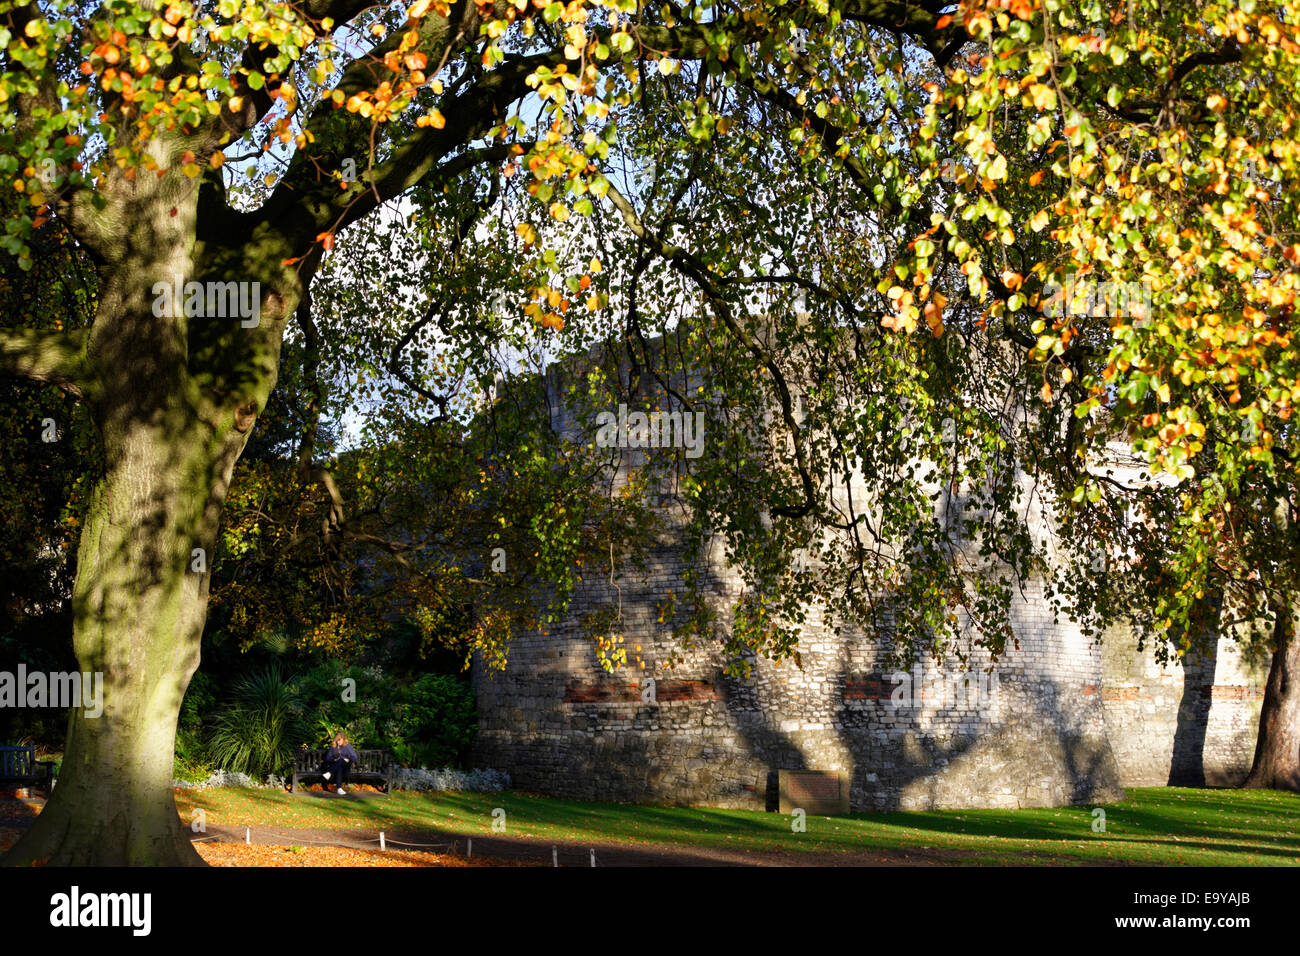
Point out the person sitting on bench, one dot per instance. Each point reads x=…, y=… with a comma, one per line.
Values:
x=339, y=759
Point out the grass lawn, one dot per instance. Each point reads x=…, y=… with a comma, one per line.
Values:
x=1154, y=826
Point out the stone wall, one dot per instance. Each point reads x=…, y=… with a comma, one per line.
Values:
x=1033, y=736
x=1068, y=720
x=1064, y=720
x=1182, y=724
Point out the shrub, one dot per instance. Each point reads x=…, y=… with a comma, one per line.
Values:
x=405, y=778
x=191, y=760
x=260, y=728
x=191, y=755
x=226, y=778
x=436, y=720
x=429, y=722
x=321, y=691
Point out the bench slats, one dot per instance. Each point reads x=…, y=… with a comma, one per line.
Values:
x=19, y=764
x=371, y=766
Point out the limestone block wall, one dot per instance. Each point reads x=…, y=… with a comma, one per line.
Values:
x=1067, y=721
x=1188, y=724
x=1033, y=736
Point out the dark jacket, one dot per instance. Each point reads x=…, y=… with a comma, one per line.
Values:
x=341, y=753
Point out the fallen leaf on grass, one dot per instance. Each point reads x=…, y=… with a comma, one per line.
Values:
x=242, y=854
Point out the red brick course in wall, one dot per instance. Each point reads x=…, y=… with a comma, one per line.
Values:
x=1233, y=692
x=666, y=691
x=870, y=689
x=1217, y=692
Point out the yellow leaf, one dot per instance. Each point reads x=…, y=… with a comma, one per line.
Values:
x=1043, y=97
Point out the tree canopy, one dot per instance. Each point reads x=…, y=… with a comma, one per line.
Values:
x=876, y=217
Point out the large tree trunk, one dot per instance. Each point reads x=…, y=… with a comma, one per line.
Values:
x=139, y=603
x=1277, y=749
x=174, y=398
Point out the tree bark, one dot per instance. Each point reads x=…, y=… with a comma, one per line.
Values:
x=1277, y=749
x=139, y=605
x=174, y=398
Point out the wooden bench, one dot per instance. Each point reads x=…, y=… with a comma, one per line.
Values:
x=19, y=765
x=372, y=766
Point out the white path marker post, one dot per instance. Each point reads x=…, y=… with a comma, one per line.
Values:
x=381, y=841
x=248, y=836
x=469, y=847
x=555, y=856
x=593, y=856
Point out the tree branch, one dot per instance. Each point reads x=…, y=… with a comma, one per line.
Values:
x=55, y=358
x=473, y=111
x=691, y=267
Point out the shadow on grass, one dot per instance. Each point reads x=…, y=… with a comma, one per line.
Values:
x=1164, y=822
x=1225, y=815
